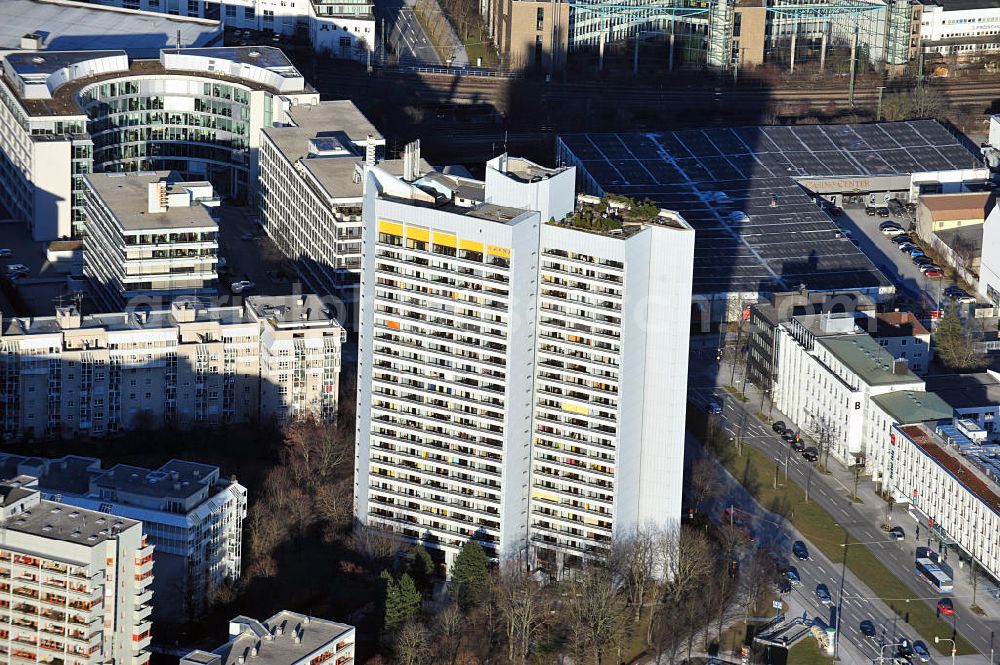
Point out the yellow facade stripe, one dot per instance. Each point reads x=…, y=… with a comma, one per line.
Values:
x=573, y=408
x=392, y=228
x=538, y=494
x=470, y=246
x=495, y=250
x=413, y=233
x=445, y=239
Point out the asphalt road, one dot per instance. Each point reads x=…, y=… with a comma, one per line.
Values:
x=832, y=496
x=410, y=42
x=774, y=534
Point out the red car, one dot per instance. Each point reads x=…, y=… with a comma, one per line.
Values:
x=934, y=274
x=946, y=607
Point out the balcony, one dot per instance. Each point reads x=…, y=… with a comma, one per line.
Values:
x=144, y=596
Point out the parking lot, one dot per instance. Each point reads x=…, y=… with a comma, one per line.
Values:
x=898, y=266
x=250, y=255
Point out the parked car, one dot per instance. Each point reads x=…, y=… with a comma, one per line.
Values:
x=247, y=237
x=905, y=649
x=823, y=594
x=810, y=454
x=900, y=239
x=922, y=260
x=882, y=211
x=897, y=533
x=946, y=607
x=779, y=426
x=17, y=270
x=934, y=274
x=889, y=224
x=800, y=550
x=870, y=211
x=929, y=266
x=868, y=629
x=241, y=286
x=893, y=232
x=906, y=247
x=921, y=652
x=713, y=408
x=798, y=445
x=914, y=253
x=5, y=253
x=955, y=291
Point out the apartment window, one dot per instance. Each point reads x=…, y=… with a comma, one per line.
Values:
x=540, y=18
x=268, y=16
x=154, y=4
x=248, y=14
x=193, y=8
x=231, y=12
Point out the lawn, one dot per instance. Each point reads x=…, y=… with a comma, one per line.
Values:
x=756, y=472
x=481, y=50
x=808, y=652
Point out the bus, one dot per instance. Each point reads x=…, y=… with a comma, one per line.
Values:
x=934, y=575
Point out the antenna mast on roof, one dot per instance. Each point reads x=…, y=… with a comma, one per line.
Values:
x=178, y=40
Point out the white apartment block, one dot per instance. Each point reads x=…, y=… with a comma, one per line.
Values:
x=198, y=111
x=949, y=478
x=287, y=638
x=960, y=27
x=520, y=382
x=72, y=375
x=827, y=372
x=150, y=236
x=340, y=28
x=76, y=583
x=189, y=513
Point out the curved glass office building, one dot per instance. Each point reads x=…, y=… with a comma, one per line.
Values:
x=197, y=111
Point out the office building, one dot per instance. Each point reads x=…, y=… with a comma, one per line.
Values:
x=340, y=28
x=287, y=638
x=886, y=411
x=947, y=474
x=989, y=265
x=150, y=237
x=974, y=397
x=964, y=29
x=72, y=375
x=81, y=576
x=189, y=513
x=827, y=372
x=197, y=111
x=67, y=25
x=509, y=383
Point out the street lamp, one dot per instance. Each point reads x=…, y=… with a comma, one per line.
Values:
x=843, y=573
x=945, y=639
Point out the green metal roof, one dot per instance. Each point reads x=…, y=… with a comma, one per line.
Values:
x=864, y=356
x=908, y=407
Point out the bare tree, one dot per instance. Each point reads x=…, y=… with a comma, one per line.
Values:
x=705, y=481
x=413, y=645
x=450, y=627
x=376, y=546
x=522, y=603
x=596, y=614
x=637, y=559
x=757, y=578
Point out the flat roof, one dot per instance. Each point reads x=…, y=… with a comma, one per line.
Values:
x=864, y=356
x=283, y=311
x=757, y=229
x=74, y=26
x=127, y=196
x=274, y=648
x=966, y=391
x=962, y=5
x=68, y=523
x=914, y=406
x=964, y=238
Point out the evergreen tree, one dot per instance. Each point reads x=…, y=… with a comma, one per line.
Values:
x=402, y=601
x=421, y=569
x=470, y=575
x=955, y=343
